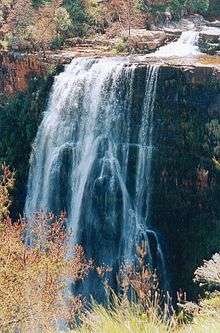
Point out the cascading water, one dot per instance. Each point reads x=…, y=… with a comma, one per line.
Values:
x=186, y=45
x=93, y=158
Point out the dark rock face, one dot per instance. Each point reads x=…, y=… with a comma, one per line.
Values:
x=209, y=43
x=16, y=70
x=186, y=184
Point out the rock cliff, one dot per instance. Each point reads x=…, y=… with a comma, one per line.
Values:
x=16, y=70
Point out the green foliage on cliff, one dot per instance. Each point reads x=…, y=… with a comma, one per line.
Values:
x=176, y=7
x=214, y=8
x=79, y=16
x=20, y=116
x=38, y=3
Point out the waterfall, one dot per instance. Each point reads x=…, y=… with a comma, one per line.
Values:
x=93, y=158
x=186, y=45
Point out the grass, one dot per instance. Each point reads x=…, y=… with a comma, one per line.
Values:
x=208, y=320
x=125, y=318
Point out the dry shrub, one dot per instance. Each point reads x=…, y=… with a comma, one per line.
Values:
x=122, y=15
x=139, y=278
x=7, y=181
x=28, y=28
x=141, y=285
x=33, y=278
x=209, y=273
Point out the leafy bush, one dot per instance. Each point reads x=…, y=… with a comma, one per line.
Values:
x=180, y=7
x=38, y=3
x=78, y=16
x=6, y=183
x=57, y=43
x=197, y=6
x=121, y=46
x=152, y=7
x=214, y=8
x=177, y=7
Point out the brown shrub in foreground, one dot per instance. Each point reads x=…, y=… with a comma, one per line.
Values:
x=33, y=279
x=7, y=181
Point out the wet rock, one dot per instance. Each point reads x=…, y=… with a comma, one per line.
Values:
x=215, y=24
x=209, y=43
x=176, y=32
x=145, y=41
x=190, y=23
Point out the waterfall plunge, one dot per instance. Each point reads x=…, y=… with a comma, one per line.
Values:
x=93, y=159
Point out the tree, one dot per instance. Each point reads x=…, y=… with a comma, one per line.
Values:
x=35, y=25
x=78, y=15
x=177, y=7
x=197, y=6
x=123, y=12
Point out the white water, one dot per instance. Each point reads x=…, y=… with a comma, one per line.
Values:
x=185, y=46
x=211, y=31
x=93, y=157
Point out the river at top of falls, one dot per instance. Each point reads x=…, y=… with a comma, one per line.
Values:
x=92, y=157
x=186, y=45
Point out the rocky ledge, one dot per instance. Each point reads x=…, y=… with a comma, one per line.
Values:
x=17, y=69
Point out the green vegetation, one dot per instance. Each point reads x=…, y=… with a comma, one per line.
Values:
x=214, y=8
x=129, y=319
x=20, y=116
x=121, y=46
x=177, y=8
x=79, y=17
x=38, y=3
x=124, y=317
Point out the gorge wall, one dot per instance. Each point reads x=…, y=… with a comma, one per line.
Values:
x=25, y=83
x=185, y=208
x=186, y=182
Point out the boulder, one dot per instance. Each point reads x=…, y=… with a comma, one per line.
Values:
x=215, y=24
x=145, y=41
